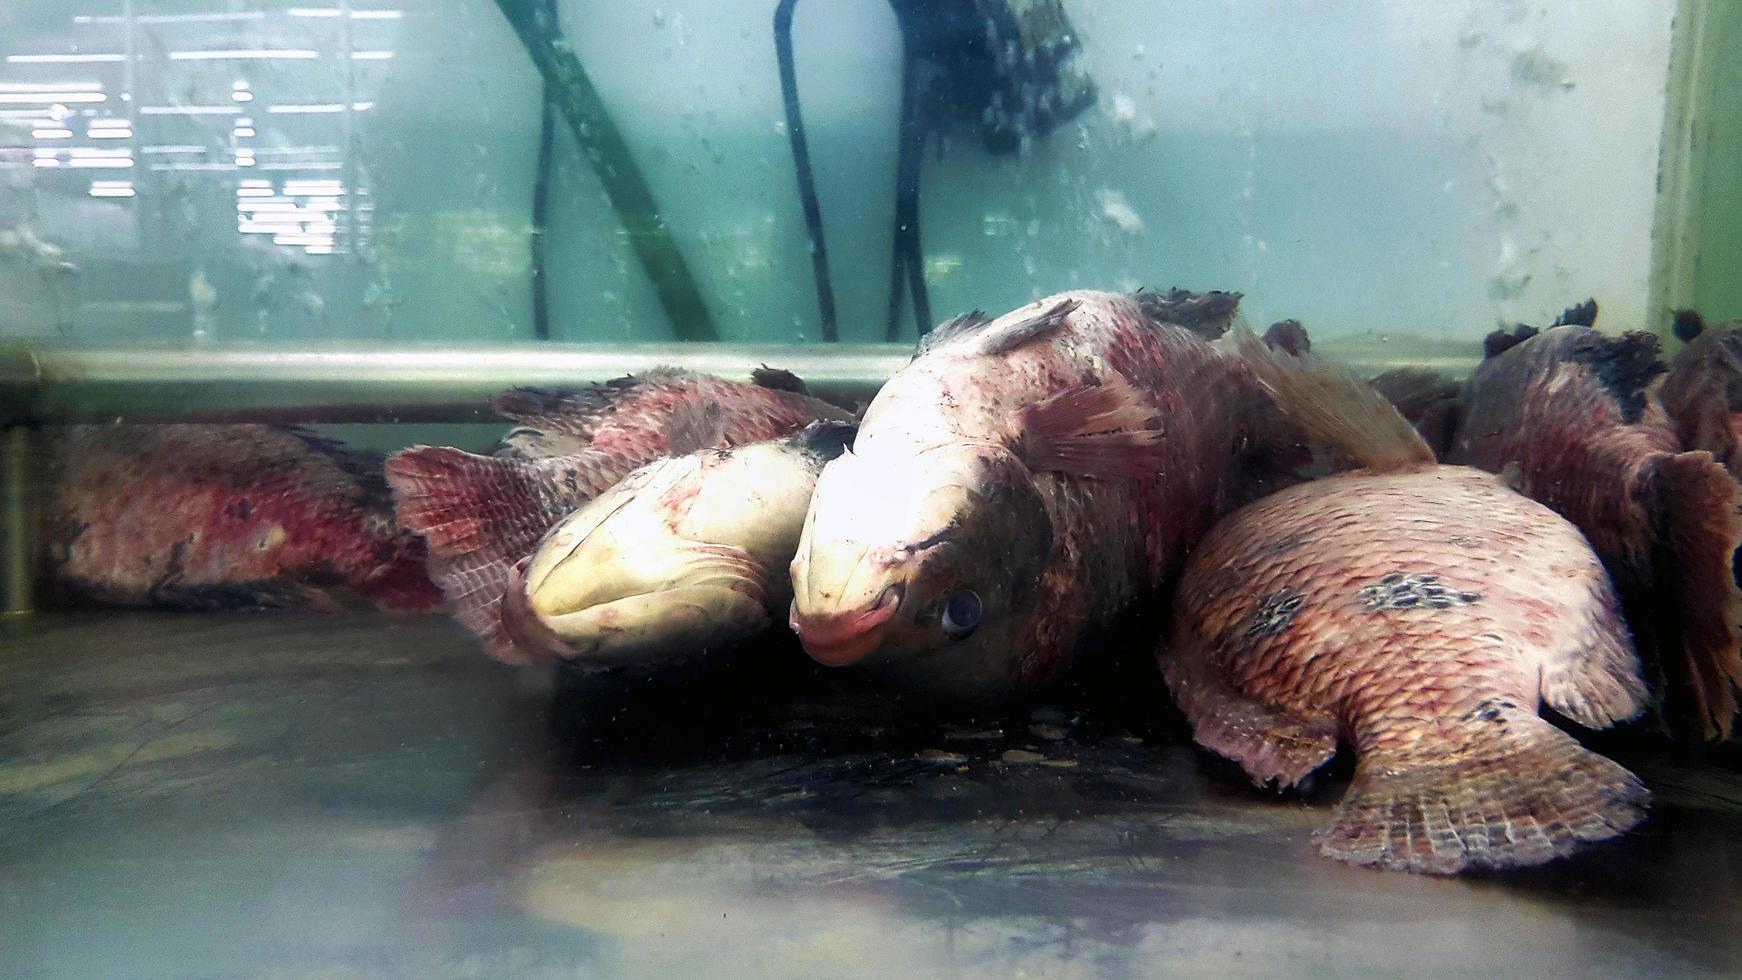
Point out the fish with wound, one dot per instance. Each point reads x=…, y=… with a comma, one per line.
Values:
x=480, y=515
x=1418, y=613
x=209, y=516
x=1018, y=487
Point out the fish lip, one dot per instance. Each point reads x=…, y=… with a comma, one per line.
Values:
x=844, y=639
x=523, y=625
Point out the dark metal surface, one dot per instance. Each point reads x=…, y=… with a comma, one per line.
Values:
x=357, y=795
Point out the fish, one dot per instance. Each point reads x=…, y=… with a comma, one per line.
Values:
x=480, y=515
x=1417, y=613
x=217, y=516
x=1702, y=390
x=1017, y=487
x=684, y=557
x=1573, y=418
x=1430, y=401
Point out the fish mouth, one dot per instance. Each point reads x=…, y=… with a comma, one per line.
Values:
x=719, y=601
x=524, y=626
x=844, y=639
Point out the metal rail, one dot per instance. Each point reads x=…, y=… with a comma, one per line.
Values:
x=453, y=384
x=374, y=384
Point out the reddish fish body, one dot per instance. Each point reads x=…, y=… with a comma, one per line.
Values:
x=223, y=516
x=1037, y=475
x=482, y=514
x=1703, y=394
x=1420, y=617
x=1570, y=416
x=1418, y=613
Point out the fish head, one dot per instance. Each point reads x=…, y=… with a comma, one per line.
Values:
x=924, y=565
x=672, y=562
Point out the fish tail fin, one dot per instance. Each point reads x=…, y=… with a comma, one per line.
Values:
x=1524, y=792
x=478, y=515
x=1334, y=407
x=1700, y=526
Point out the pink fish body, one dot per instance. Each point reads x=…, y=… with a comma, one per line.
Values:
x=222, y=516
x=1574, y=420
x=1014, y=489
x=1419, y=614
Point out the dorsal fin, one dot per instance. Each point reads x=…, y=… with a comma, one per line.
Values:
x=1206, y=314
x=776, y=379
x=1687, y=324
x=1288, y=336
x=1333, y=406
x=1500, y=341
x=1010, y=332
x=826, y=439
x=1578, y=315
x=957, y=326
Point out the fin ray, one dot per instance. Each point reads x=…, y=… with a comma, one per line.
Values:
x=1100, y=431
x=1332, y=405
x=1535, y=796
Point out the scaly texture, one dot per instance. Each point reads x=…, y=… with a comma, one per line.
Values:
x=1569, y=416
x=224, y=516
x=1123, y=502
x=1703, y=394
x=1420, y=617
x=481, y=514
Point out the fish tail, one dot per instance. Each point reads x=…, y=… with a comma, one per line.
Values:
x=1522, y=793
x=1334, y=407
x=478, y=515
x=1700, y=528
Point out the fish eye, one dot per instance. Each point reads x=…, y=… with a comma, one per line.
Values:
x=961, y=614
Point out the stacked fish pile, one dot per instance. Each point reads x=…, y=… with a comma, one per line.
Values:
x=1096, y=472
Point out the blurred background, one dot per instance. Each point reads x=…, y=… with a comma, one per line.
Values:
x=258, y=171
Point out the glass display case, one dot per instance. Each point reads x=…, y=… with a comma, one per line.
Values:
x=251, y=241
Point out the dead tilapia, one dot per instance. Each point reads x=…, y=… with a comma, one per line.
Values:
x=224, y=516
x=482, y=514
x=1418, y=613
x=1014, y=489
x=1571, y=417
x=684, y=557
x=1702, y=391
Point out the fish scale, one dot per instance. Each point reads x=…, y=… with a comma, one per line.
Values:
x=223, y=516
x=970, y=419
x=1437, y=608
x=482, y=514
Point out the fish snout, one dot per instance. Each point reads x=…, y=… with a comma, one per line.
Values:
x=526, y=627
x=843, y=638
